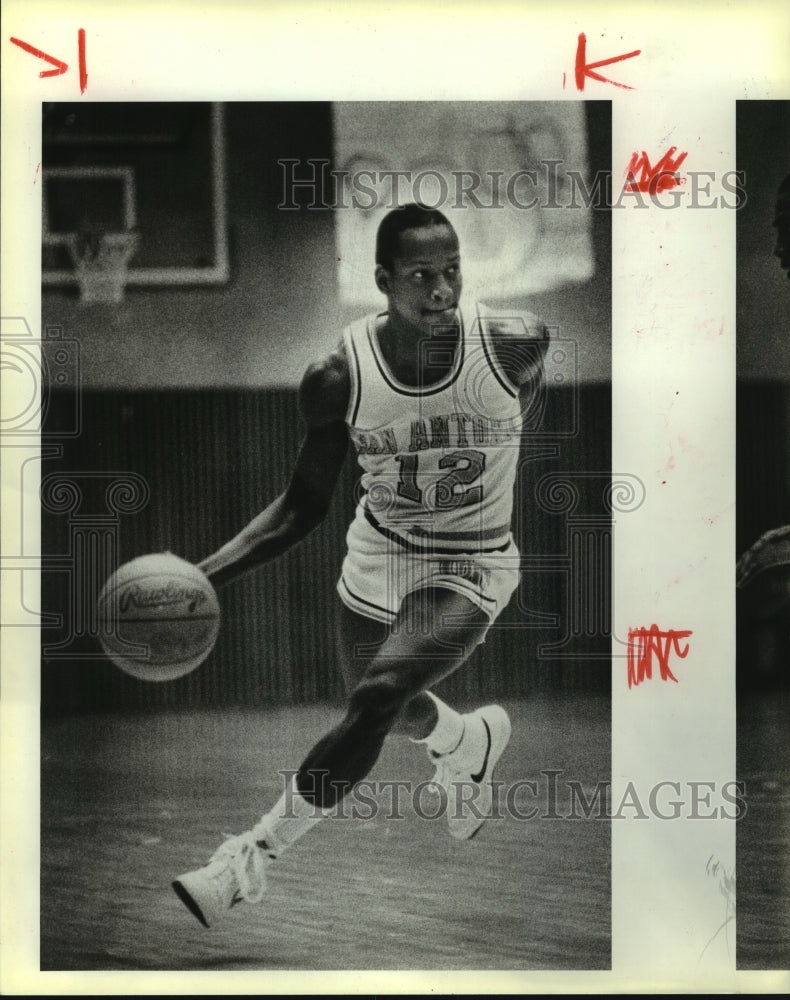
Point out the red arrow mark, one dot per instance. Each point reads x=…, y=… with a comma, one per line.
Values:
x=585, y=69
x=60, y=67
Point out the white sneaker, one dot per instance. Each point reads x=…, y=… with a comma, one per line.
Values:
x=236, y=873
x=466, y=774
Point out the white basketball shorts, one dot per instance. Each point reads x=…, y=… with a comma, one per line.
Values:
x=378, y=572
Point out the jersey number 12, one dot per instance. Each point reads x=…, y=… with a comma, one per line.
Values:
x=455, y=489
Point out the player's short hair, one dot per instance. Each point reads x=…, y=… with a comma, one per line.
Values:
x=411, y=216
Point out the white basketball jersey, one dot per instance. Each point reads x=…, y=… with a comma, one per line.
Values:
x=439, y=462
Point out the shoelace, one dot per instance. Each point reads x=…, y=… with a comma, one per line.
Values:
x=247, y=863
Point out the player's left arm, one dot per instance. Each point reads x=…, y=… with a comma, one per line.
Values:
x=520, y=341
x=323, y=399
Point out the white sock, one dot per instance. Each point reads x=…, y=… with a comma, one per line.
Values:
x=448, y=732
x=288, y=820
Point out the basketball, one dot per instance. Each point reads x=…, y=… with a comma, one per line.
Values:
x=158, y=617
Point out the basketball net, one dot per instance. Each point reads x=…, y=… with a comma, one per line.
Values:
x=101, y=263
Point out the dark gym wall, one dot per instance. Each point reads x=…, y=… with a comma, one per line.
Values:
x=212, y=459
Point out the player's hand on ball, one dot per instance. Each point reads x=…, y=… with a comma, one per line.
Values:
x=158, y=617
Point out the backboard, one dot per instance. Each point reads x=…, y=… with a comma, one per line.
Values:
x=154, y=169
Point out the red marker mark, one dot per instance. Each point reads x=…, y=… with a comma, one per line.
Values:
x=585, y=69
x=654, y=179
x=643, y=643
x=83, y=64
x=35, y=175
x=60, y=66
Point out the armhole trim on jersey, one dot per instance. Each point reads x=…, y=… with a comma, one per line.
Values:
x=354, y=376
x=496, y=366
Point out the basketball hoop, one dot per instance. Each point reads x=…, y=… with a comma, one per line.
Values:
x=101, y=264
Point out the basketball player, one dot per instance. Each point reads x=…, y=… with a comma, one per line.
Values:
x=432, y=395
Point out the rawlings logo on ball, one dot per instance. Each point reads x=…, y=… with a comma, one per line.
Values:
x=138, y=596
x=159, y=617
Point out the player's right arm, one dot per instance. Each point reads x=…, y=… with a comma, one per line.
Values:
x=323, y=401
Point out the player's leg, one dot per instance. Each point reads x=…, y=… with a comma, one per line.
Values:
x=464, y=748
x=377, y=572
x=453, y=741
x=359, y=639
x=434, y=632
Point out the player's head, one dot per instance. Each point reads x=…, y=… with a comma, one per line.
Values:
x=396, y=222
x=418, y=266
x=782, y=225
